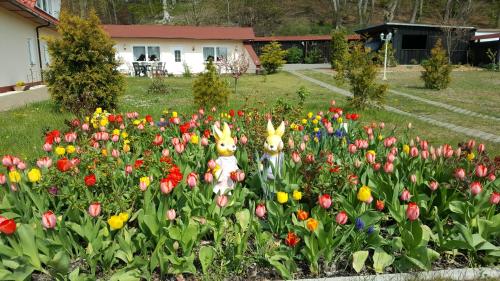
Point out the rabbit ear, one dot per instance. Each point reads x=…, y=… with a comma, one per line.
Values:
x=281, y=129
x=217, y=133
x=270, y=128
x=226, y=132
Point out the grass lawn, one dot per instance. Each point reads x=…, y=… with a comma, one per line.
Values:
x=22, y=128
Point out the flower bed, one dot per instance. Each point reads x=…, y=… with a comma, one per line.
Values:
x=124, y=197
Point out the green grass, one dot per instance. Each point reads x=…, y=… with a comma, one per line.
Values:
x=22, y=128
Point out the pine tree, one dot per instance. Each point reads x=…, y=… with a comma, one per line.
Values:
x=209, y=89
x=272, y=57
x=339, y=51
x=437, y=70
x=83, y=70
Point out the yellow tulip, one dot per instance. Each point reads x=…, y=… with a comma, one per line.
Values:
x=136, y=122
x=124, y=135
x=174, y=114
x=282, y=197
x=195, y=139
x=309, y=115
x=318, y=117
x=304, y=121
x=297, y=195
x=126, y=148
x=60, y=150
x=315, y=121
x=123, y=216
x=380, y=137
x=116, y=132
x=103, y=122
x=115, y=222
x=406, y=149
x=312, y=224
x=98, y=110
x=145, y=181
x=14, y=176
x=316, y=129
x=70, y=149
x=364, y=194
x=34, y=175
x=471, y=156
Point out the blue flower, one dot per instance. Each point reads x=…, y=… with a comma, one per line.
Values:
x=371, y=229
x=359, y=224
x=339, y=133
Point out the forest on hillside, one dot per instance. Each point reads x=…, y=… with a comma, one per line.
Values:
x=291, y=17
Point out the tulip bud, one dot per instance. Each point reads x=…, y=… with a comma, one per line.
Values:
x=352, y=148
x=260, y=210
x=85, y=127
x=475, y=188
x=21, y=165
x=171, y=215
x=388, y=167
x=204, y=141
x=192, y=180
x=208, y=177
x=49, y=220
x=309, y=158
x=495, y=198
x=47, y=147
x=212, y=164
x=414, y=152
x=357, y=163
x=413, y=178
x=179, y=148
x=433, y=185
x=115, y=153
x=128, y=169
x=379, y=205
x=481, y=170
x=291, y=144
x=325, y=201
x=95, y=209
x=341, y=218
x=491, y=177
x=412, y=211
x=302, y=146
x=295, y=157
x=3, y=179
x=480, y=148
x=459, y=174
x=376, y=166
x=221, y=200
x=243, y=139
x=405, y=195
x=471, y=144
x=165, y=152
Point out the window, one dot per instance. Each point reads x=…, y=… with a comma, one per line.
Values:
x=221, y=53
x=149, y=53
x=177, y=55
x=208, y=53
x=45, y=5
x=31, y=52
x=414, y=42
x=46, y=56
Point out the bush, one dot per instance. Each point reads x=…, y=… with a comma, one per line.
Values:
x=391, y=58
x=83, y=74
x=314, y=56
x=436, y=74
x=361, y=71
x=339, y=50
x=187, y=70
x=272, y=57
x=294, y=55
x=209, y=89
x=158, y=86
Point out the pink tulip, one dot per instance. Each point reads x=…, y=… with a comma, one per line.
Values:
x=212, y=164
x=306, y=138
x=175, y=141
x=412, y=211
x=309, y=158
x=341, y=218
x=192, y=180
x=221, y=200
x=376, y=166
x=115, y=153
x=240, y=176
x=447, y=151
x=85, y=127
x=44, y=162
x=291, y=144
x=382, y=125
x=405, y=195
x=95, y=209
x=491, y=177
x=260, y=210
x=302, y=146
x=165, y=152
x=128, y=169
x=179, y=148
x=325, y=201
x=458, y=152
x=481, y=170
x=243, y=139
x=424, y=154
x=423, y=145
x=295, y=157
x=171, y=215
x=70, y=137
x=414, y=152
x=495, y=198
x=47, y=147
x=143, y=185
x=166, y=186
x=433, y=185
x=49, y=220
x=208, y=177
x=390, y=157
x=140, y=127
x=394, y=151
x=475, y=188
x=370, y=157
x=352, y=148
x=186, y=137
x=21, y=165
x=413, y=178
x=459, y=174
x=471, y=144
x=480, y=148
x=115, y=138
x=3, y=179
x=204, y=141
x=388, y=167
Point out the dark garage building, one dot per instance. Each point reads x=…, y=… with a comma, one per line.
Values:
x=412, y=43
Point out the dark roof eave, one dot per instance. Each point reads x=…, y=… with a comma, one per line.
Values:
x=387, y=25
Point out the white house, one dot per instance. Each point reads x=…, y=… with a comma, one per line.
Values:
x=180, y=47
x=23, y=52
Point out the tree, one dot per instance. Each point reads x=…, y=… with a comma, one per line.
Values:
x=237, y=64
x=272, y=57
x=361, y=71
x=436, y=74
x=209, y=89
x=339, y=51
x=83, y=71
x=390, y=10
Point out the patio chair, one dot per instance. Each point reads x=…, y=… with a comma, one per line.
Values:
x=137, y=69
x=158, y=69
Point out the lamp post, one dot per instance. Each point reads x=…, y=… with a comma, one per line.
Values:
x=386, y=40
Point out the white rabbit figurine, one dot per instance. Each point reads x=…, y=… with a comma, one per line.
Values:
x=273, y=148
x=226, y=163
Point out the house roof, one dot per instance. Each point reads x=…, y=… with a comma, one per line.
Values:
x=28, y=10
x=398, y=24
x=252, y=54
x=180, y=32
x=304, y=38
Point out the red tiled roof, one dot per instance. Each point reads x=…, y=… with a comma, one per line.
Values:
x=252, y=54
x=304, y=38
x=487, y=36
x=28, y=10
x=180, y=32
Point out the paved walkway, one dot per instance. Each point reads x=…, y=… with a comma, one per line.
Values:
x=431, y=102
x=17, y=99
x=303, y=66
x=459, y=129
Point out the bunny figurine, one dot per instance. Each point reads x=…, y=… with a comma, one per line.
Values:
x=273, y=148
x=226, y=163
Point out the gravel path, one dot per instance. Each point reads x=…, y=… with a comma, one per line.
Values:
x=459, y=129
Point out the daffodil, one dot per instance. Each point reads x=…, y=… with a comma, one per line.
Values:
x=34, y=175
x=364, y=194
x=282, y=197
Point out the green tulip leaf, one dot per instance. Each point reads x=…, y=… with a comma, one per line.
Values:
x=206, y=256
x=27, y=237
x=243, y=218
x=358, y=260
x=381, y=260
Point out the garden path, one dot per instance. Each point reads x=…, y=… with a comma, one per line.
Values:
x=431, y=102
x=16, y=99
x=456, y=128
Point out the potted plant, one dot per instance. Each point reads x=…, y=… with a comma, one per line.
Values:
x=20, y=86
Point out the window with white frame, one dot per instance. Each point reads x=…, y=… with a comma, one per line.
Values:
x=214, y=53
x=31, y=51
x=208, y=53
x=146, y=53
x=45, y=5
x=177, y=55
x=221, y=53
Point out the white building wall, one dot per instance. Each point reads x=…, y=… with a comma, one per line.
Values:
x=191, y=52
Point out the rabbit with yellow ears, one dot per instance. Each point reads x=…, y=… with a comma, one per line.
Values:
x=226, y=163
x=273, y=149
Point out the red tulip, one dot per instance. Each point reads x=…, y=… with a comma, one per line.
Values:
x=379, y=205
x=149, y=118
x=341, y=218
x=171, y=215
x=475, y=188
x=64, y=165
x=495, y=198
x=49, y=220
x=260, y=210
x=95, y=209
x=412, y=211
x=433, y=185
x=7, y=226
x=158, y=140
x=90, y=180
x=325, y=201
x=459, y=174
x=292, y=239
x=376, y=166
x=221, y=200
x=481, y=170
